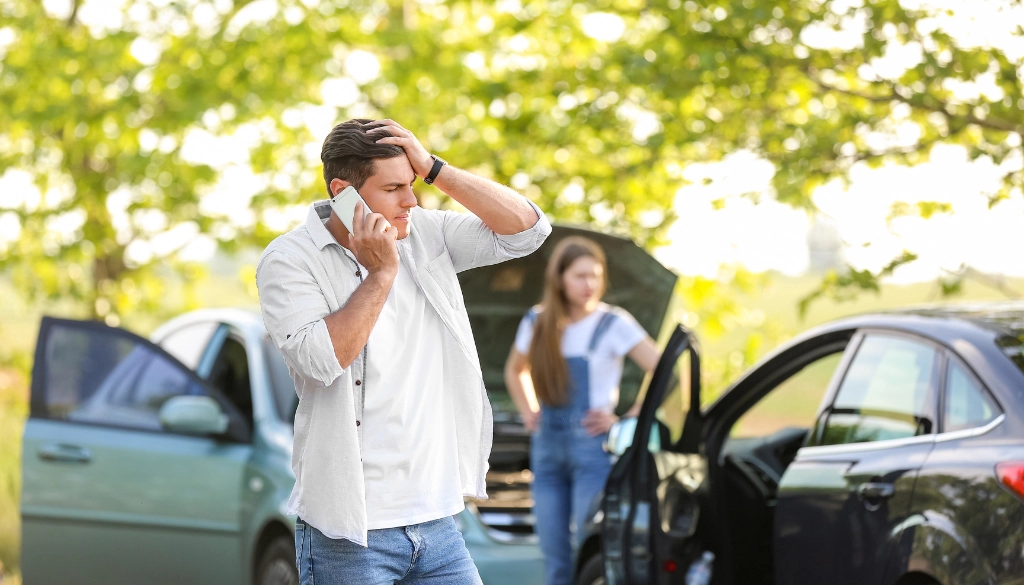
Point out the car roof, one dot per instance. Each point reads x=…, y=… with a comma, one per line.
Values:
x=248, y=321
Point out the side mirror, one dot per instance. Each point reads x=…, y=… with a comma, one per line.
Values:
x=620, y=437
x=194, y=415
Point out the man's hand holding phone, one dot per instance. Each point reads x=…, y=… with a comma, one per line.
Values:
x=373, y=241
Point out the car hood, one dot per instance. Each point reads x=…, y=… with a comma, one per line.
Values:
x=498, y=296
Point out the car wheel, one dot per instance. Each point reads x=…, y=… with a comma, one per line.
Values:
x=592, y=572
x=277, y=566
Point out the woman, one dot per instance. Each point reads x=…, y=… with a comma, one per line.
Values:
x=563, y=374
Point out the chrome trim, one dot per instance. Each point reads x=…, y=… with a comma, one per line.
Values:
x=968, y=433
x=858, y=447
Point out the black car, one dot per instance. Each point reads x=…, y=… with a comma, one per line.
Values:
x=883, y=450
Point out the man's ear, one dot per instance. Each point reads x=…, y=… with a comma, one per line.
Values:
x=337, y=186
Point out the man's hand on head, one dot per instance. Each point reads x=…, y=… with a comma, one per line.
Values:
x=418, y=156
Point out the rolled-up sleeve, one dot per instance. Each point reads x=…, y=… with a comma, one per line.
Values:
x=293, y=311
x=472, y=244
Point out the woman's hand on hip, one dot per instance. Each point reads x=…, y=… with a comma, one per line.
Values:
x=597, y=422
x=530, y=420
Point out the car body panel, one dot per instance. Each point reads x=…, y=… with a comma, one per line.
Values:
x=137, y=493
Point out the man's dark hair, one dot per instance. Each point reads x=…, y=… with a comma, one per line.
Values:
x=351, y=148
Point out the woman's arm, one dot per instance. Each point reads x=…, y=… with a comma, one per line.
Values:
x=646, y=355
x=520, y=388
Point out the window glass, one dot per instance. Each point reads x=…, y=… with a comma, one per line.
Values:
x=188, y=343
x=106, y=376
x=671, y=414
x=887, y=393
x=230, y=375
x=792, y=404
x=968, y=405
x=285, y=398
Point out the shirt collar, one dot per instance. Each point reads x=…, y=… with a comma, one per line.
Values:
x=318, y=212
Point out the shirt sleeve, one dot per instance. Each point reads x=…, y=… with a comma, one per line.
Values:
x=524, y=335
x=293, y=309
x=625, y=333
x=472, y=244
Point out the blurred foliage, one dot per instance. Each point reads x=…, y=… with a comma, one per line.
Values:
x=715, y=307
x=99, y=111
x=845, y=287
x=13, y=411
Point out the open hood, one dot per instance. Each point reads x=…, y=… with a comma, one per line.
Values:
x=498, y=296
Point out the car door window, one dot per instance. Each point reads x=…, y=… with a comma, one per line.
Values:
x=100, y=375
x=188, y=343
x=967, y=404
x=888, y=392
x=285, y=398
x=792, y=404
x=230, y=375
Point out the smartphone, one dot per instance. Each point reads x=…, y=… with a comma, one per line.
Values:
x=344, y=206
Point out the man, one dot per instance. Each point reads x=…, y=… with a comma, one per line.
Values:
x=393, y=426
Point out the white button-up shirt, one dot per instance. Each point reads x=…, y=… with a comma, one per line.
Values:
x=305, y=275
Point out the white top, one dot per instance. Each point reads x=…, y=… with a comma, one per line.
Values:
x=606, y=361
x=408, y=421
x=305, y=275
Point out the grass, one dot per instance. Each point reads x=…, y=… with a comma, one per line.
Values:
x=13, y=410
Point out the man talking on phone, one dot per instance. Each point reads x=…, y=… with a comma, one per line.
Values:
x=393, y=425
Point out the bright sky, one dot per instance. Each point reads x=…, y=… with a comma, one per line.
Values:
x=756, y=232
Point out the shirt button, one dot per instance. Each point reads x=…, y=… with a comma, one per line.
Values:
x=359, y=273
x=358, y=423
x=358, y=382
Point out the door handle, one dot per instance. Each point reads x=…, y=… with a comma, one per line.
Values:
x=875, y=491
x=64, y=453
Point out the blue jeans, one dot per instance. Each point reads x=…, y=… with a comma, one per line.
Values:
x=570, y=470
x=431, y=553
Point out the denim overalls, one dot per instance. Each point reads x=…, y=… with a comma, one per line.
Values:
x=569, y=466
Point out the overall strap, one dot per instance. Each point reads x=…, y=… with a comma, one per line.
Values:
x=602, y=327
x=531, y=316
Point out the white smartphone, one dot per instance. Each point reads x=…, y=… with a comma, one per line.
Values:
x=344, y=206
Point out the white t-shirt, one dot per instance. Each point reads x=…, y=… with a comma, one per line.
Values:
x=409, y=445
x=606, y=361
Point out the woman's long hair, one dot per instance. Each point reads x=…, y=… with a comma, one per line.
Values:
x=547, y=364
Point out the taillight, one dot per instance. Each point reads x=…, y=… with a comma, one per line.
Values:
x=1012, y=476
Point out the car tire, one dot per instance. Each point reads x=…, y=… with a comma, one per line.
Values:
x=592, y=572
x=277, y=565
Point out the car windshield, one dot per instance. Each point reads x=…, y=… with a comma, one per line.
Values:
x=285, y=398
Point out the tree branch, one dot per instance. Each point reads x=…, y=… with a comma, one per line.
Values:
x=941, y=107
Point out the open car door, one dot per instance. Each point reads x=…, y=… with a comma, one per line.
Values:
x=651, y=507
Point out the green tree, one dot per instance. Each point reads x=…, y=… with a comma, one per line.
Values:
x=592, y=108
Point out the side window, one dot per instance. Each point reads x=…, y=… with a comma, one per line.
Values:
x=285, y=398
x=887, y=393
x=671, y=414
x=187, y=344
x=107, y=376
x=967, y=405
x=792, y=404
x=230, y=375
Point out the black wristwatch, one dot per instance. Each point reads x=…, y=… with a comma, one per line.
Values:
x=434, y=170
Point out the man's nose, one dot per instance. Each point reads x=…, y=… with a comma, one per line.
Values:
x=408, y=199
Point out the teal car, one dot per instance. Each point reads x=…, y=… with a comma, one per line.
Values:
x=168, y=460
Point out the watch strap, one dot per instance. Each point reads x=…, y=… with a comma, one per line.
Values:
x=434, y=170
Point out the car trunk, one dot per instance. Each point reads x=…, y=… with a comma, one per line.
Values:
x=496, y=299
